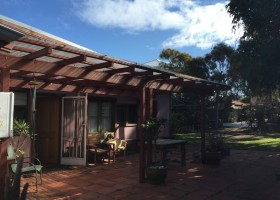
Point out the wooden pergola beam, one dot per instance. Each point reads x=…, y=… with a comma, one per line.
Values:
x=18, y=74
x=138, y=74
x=174, y=80
x=28, y=50
x=7, y=47
x=76, y=51
x=40, y=53
x=52, y=69
x=42, y=86
x=91, y=83
x=69, y=61
x=96, y=66
x=121, y=70
x=156, y=76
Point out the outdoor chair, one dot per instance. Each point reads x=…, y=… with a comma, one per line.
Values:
x=117, y=146
x=100, y=153
x=31, y=168
x=98, y=149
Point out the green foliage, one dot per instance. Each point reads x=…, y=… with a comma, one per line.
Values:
x=257, y=57
x=176, y=61
x=214, y=142
x=152, y=126
x=252, y=141
x=219, y=65
x=261, y=19
x=218, y=62
x=266, y=143
x=192, y=138
x=183, y=63
x=214, y=66
x=22, y=129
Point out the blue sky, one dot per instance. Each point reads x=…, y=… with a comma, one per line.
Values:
x=134, y=30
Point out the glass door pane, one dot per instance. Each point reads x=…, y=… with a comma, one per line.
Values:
x=73, y=146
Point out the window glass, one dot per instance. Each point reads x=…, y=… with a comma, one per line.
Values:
x=127, y=113
x=132, y=114
x=106, y=114
x=20, y=106
x=121, y=114
x=99, y=117
x=92, y=117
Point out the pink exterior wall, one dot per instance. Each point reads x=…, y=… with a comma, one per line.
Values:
x=163, y=108
x=127, y=133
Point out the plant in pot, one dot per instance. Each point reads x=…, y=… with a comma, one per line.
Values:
x=215, y=143
x=22, y=133
x=156, y=171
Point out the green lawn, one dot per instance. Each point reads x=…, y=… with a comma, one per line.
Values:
x=265, y=142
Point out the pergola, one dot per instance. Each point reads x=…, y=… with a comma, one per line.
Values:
x=28, y=54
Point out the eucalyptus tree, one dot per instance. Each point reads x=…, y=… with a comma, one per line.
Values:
x=185, y=105
x=183, y=63
x=219, y=65
x=259, y=50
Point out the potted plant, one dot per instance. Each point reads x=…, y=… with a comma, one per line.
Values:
x=22, y=133
x=213, y=154
x=156, y=172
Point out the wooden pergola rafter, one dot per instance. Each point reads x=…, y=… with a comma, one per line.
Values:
x=63, y=64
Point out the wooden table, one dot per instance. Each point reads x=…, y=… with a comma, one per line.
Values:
x=164, y=144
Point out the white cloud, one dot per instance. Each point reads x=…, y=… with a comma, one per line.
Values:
x=194, y=24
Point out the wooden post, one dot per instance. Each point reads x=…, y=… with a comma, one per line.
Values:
x=149, y=115
x=141, y=135
x=202, y=127
x=150, y=102
x=5, y=80
x=5, y=87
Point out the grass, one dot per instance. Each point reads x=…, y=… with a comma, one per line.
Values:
x=264, y=144
x=241, y=140
x=192, y=138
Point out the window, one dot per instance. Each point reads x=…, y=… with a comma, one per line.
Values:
x=99, y=117
x=127, y=113
x=20, y=106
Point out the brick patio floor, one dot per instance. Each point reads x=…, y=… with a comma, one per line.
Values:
x=244, y=175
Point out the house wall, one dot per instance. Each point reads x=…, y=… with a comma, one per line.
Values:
x=128, y=132
x=163, y=111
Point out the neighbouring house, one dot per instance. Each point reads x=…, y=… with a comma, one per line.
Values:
x=81, y=92
x=238, y=111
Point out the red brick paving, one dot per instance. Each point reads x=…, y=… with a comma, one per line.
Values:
x=244, y=175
